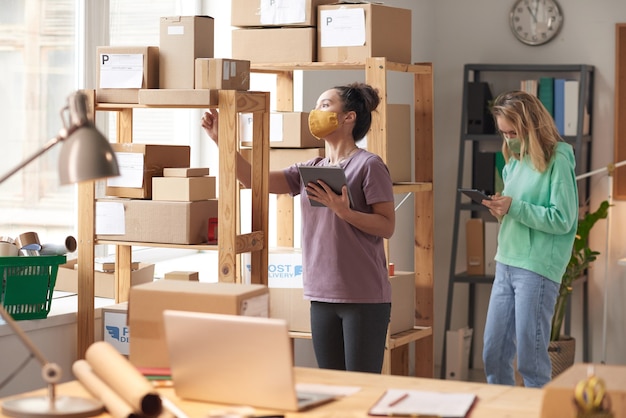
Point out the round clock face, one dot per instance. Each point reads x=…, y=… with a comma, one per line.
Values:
x=535, y=22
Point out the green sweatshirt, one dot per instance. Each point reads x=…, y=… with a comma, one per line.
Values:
x=538, y=232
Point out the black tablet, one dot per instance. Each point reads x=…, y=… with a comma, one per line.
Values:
x=476, y=195
x=334, y=176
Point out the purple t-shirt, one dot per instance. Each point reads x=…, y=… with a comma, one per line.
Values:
x=341, y=263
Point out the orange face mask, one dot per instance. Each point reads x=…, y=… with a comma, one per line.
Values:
x=322, y=123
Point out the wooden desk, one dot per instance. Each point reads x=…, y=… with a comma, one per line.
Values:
x=494, y=401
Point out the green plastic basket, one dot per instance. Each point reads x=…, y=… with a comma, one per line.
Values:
x=27, y=284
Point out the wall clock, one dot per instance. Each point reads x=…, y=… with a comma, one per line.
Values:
x=535, y=22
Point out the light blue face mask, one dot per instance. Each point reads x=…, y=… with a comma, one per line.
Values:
x=514, y=144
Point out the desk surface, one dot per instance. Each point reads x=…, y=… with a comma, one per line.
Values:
x=494, y=401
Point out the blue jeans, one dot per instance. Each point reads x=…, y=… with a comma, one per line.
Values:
x=519, y=314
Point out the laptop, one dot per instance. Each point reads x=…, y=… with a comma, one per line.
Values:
x=234, y=359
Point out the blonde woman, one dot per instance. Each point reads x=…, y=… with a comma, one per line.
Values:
x=538, y=211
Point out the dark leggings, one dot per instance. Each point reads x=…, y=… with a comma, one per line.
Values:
x=350, y=336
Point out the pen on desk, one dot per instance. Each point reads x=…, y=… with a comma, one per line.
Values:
x=398, y=400
x=170, y=406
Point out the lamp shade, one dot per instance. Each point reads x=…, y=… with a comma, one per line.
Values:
x=86, y=155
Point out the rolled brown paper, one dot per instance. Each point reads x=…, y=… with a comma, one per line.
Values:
x=118, y=373
x=115, y=405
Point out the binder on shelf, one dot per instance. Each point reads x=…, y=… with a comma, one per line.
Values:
x=559, y=104
x=546, y=93
x=479, y=119
x=570, y=114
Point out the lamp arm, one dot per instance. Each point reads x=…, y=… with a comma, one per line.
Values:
x=52, y=142
x=51, y=372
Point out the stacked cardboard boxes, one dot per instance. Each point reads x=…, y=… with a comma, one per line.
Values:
x=277, y=31
x=144, y=206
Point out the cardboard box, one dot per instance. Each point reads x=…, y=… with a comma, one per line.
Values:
x=115, y=329
x=175, y=97
x=284, y=267
x=475, y=240
x=289, y=304
x=147, y=303
x=458, y=345
x=222, y=74
x=402, y=302
x=354, y=32
x=491, y=246
x=159, y=222
x=287, y=130
x=189, y=276
x=285, y=281
x=182, y=40
x=133, y=159
x=111, y=58
x=104, y=283
x=185, y=172
x=271, y=45
x=183, y=189
x=398, y=142
x=558, y=394
x=275, y=13
x=284, y=157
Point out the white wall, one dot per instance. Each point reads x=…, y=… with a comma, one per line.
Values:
x=451, y=33
x=477, y=31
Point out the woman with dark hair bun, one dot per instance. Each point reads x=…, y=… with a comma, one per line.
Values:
x=344, y=263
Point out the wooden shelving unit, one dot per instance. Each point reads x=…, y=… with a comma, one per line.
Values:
x=376, y=70
x=230, y=243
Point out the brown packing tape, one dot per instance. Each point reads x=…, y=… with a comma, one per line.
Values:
x=118, y=373
x=7, y=249
x=28, y=241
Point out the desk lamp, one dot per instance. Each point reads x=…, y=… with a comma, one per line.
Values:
x=86, y=155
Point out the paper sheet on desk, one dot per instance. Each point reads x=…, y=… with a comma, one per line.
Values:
x=402, y=402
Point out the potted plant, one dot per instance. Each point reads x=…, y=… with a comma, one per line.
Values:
x=562, y=347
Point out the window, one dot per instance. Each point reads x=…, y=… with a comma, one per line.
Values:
x=37, y=55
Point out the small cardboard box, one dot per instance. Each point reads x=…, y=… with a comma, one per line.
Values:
x=402, y=301
x=139, y=163
x=185, y=172
x=275, y=13
x=182, y=40
x=287, y=130
x=114, y=60
x=189, y=276
x=354, y=32
x=558, y=394
x=115, y=329
x=475, y=239
x=222, y=74
x=183, y=189
x=284, y=157
x=104, y=283
x=271, y=45
x=174, y=97
x=152, y=221
x=147, y=303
